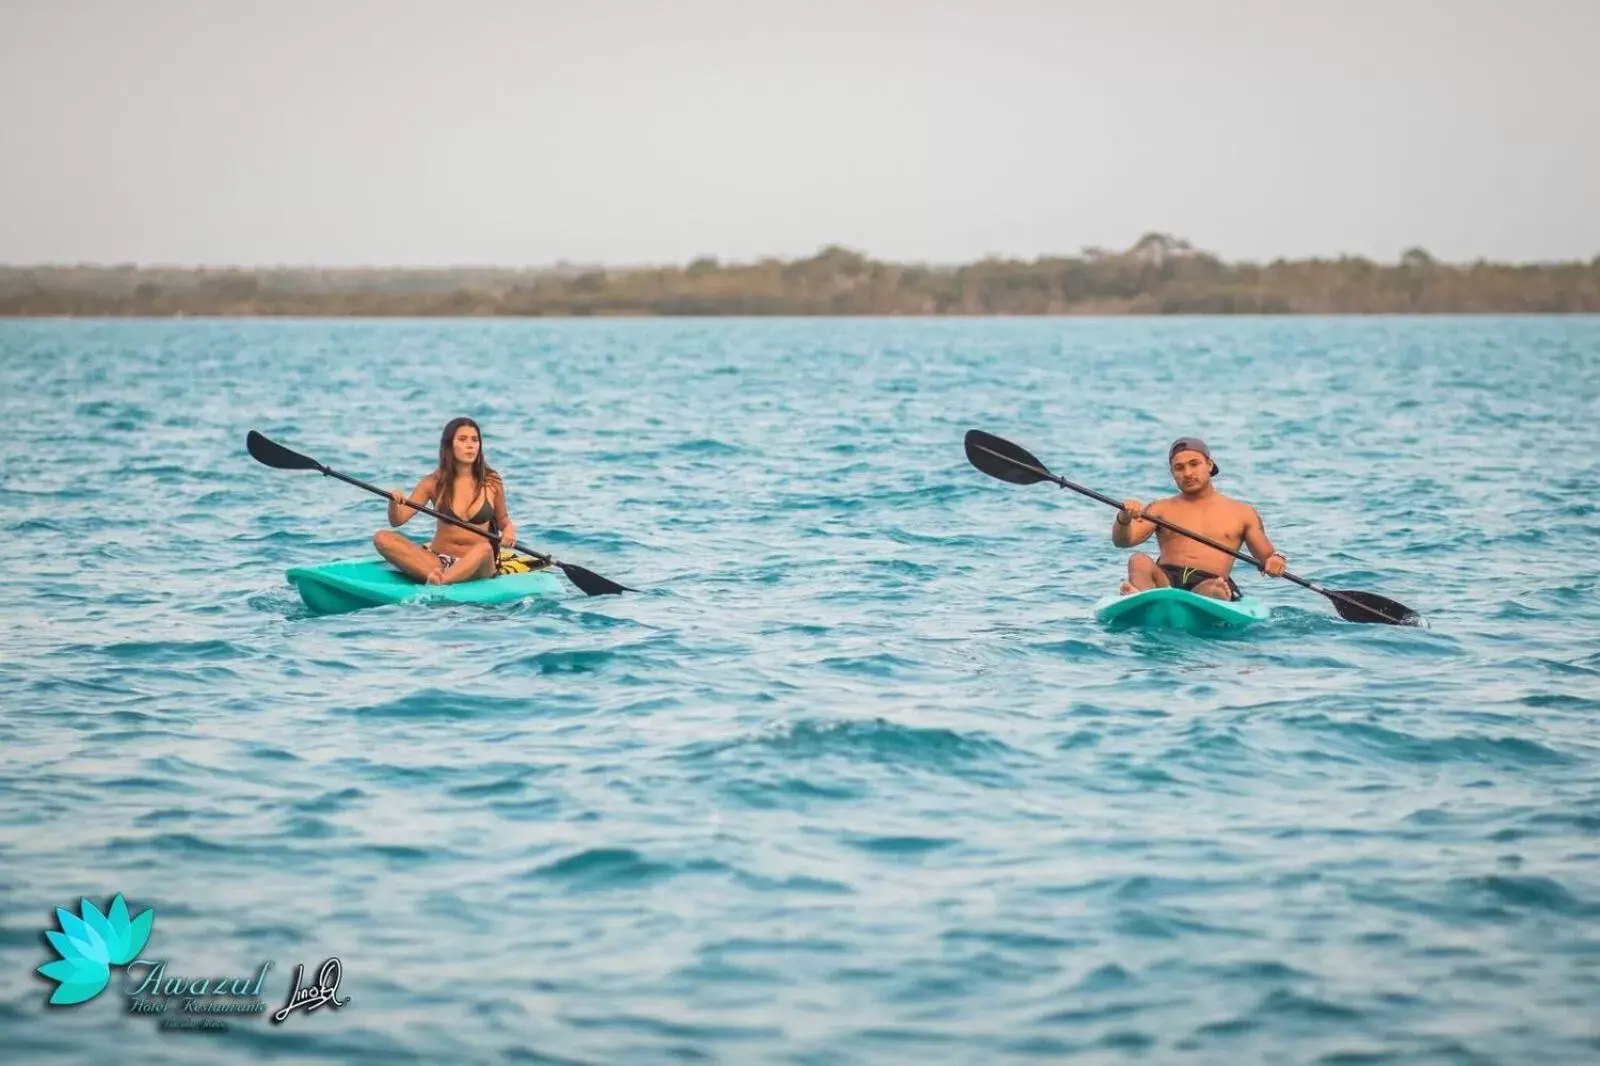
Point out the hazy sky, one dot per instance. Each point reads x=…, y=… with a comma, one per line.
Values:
x=504, y=132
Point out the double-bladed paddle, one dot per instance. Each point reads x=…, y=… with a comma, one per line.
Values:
x=269, y=452
x=1001, y=459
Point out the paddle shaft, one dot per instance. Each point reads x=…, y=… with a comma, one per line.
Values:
x=1191, y=534
x=424, y=508
x=1164, y=524
x=548, y=560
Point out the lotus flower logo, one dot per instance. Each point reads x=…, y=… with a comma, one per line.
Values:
x=90, y=945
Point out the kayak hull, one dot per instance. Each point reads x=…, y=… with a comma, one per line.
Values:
x=356, y=584
x=1169, y=608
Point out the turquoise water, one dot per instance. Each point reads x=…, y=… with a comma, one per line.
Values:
x=855, y=778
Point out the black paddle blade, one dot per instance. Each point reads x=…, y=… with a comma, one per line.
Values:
x=1356, y=606
x=591, y=583
x=270, y=453
x=1001, y=459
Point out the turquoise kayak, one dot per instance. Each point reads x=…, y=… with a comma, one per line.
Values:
x=1169, y=608
x=355, y=584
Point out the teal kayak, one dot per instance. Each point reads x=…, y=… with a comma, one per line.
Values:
x=1169, y=608
x=355, y=584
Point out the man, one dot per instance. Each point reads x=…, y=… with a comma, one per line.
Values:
x=1185, y=563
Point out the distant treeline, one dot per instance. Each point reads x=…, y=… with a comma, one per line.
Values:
x=1158, y=275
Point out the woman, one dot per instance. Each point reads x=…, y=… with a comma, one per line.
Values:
x=464, y=487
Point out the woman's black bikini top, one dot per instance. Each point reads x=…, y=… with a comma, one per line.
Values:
x=485, y=513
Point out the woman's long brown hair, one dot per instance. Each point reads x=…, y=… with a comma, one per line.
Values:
x=444, y=478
